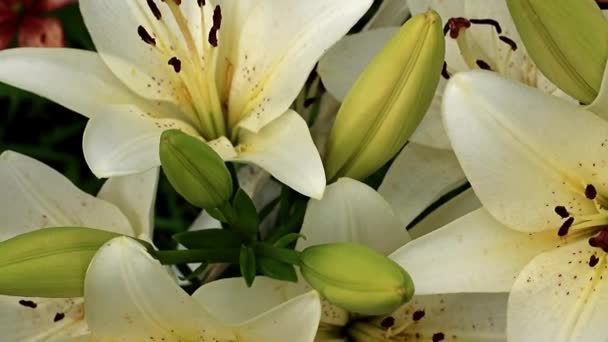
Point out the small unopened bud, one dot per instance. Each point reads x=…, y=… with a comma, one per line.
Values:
x=568, y=41
x=388, y=100
x=50, y=262
x=356, y=278
x=195, y=170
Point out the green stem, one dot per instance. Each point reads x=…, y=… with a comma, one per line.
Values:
x=230, y=255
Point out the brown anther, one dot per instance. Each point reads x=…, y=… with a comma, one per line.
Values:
x=175, y=63
x=387, y=322
x=483, y=65
x=418, y=315
x=212, y=39
x=590, y=192
x=562, y=211
x=154, y=9
x=563, y=230
x=600, y=240
x=454, y=25
x=509, y=42
x=145, y=36
x=437, y=337
x=217, y=17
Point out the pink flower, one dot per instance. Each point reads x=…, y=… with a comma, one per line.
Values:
x=27, y=20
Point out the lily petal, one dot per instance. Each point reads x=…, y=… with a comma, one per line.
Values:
x=456, y=207
x=296, y=320
x=124, y=141
x=114, y=25
x=468, y=317
x=269, y=79
x=204, y=221
x=285, y=149
x=342, y=64
x=135, y=196
x=472, y=254
x=120, y=303
x=35, y=196
x=430, y=131
x=37, y=319
x=446, y=9
x=222, y=297
x=524, y=152
x=559, y=296
x=418, y=177
x=76, y=79
x=390, y=13
x=351, y=211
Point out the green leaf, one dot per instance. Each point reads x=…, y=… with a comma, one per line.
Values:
x=285, y=255
x=247, y=264
x=247, y=220
x=176, y=257
x=286, y=240
x=277, y=270
x=209, y=238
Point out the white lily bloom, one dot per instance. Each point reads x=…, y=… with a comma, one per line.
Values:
x=537, y=164
x=225, y=70
x=351, y=211
x=121, y=305
x=489, y=40
x=35, y=196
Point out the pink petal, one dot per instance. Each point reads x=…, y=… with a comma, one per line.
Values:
x=41, y=32
x=51, y=5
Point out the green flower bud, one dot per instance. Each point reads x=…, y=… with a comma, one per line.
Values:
x=195, y=170
x=568, y=41
x=50, y=262
x=356, y=278
x=388, y=100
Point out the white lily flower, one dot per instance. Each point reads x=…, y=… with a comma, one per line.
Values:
x=431, y=166
x=35, y=196
x=537, y=164
x=351, y=211
x=226, y=71
x=121, y=305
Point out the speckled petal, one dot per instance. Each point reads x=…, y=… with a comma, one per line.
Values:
x=472, y=254
x=473, y=317
x=37, y=319
x=525, y=152
x=561, y=295
x=120, y=302
x=35, y=196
